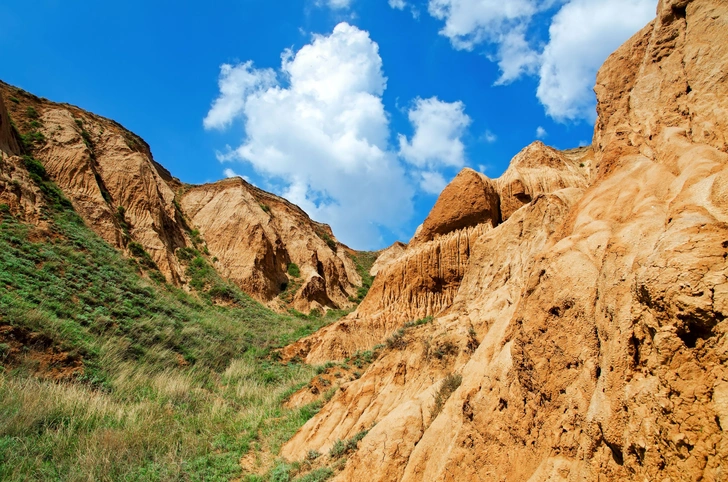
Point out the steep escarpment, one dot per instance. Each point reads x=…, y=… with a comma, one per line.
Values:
x=136, y=205
x=588, y=338
x=424, y=279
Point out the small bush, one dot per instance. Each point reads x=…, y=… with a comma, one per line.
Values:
x=265, y=208
x=421, y=321
x=4, y=351
x=319, y=475
x=14, y=100
x=186, y=254
x=337, y=450
x=313, y=454
x=344, y=447
x=294, y=270
x=327, y=239
x=31, y=112
x=447, y=388
x=195, y=237
x=397, y=341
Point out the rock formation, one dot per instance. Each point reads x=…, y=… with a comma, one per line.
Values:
x=584, y=337
x=424, y=279
x=109, y=175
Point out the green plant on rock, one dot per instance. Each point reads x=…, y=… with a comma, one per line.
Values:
x=294, y=270
x=448, y=386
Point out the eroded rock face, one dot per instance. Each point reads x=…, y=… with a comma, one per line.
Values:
x=470, y=199
x=590, y=327
x=387, y=257
x=540, y=169
x=109, y=175
x=8, y=142
x=423, y=278
x=255, y=236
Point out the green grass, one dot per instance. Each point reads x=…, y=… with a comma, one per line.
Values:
x=175, y=386
x=363, y=260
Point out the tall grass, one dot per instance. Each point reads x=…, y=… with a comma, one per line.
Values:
x=174, y=387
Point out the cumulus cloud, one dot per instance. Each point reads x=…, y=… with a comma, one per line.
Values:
x=398, y=4
x=323, y=134
x=236, y=83
x=500, y=24
x=582, y=35
x=335, y=4
x=541, y=133
x=432, y=182
x=439, y=127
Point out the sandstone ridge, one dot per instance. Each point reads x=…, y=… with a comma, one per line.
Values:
x=586, y=333
x=249, y=236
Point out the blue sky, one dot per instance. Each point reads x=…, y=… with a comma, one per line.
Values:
x=357, y=110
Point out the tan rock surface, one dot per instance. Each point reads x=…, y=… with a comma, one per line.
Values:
x=599, y=340
x=256, y=235
x=470, y=199
x=540, y=169
x=387, y=257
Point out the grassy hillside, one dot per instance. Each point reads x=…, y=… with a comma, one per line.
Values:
x=108, y=375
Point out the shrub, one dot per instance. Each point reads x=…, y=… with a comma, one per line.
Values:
x=4, y=351
x=294, y=270
x=186, y=254
x=31, y=112
x=421, y=321
x=397, y=341
x=344, y=447
x=448, y=386
x=15, y=100
x=337, y=450
x=327, y=239
x=265, y=208
x=319, y=475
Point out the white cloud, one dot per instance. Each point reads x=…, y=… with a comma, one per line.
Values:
x=541, y=133
x=432, y=182
x=515, y=56
x=489, y=137
x=335, y=4
x=398, y=4
x=582, y=35
x=324, y=135
x=438, y=128
x=230, y=173
x=236, y=83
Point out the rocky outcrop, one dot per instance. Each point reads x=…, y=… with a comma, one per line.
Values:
x=540, y=169
x=589, y=329
x=469, y=200
x=255, y=236
x=109, y=175
x=423, y=278
x=387, y=257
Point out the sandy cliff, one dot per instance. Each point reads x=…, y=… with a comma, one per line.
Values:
x=588, y=327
